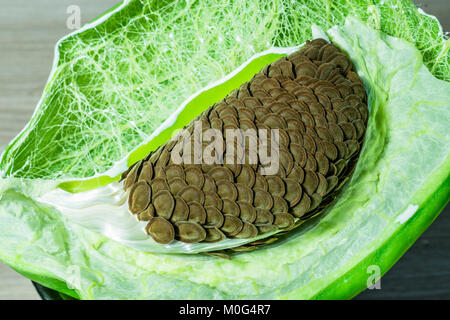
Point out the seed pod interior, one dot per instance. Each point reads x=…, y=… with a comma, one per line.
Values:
x=307, y=110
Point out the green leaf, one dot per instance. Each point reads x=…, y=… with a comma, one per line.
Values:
x=400, y=184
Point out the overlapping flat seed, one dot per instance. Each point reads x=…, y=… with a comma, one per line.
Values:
x=317, y=103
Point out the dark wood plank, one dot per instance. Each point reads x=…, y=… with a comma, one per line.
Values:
x=28, y=34
x=424, y=271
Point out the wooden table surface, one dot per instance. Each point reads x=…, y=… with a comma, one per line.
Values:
x=28, y=34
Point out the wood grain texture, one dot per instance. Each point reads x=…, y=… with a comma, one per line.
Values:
x=28, y=34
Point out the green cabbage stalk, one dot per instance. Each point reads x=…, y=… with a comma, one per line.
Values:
x=119, y=78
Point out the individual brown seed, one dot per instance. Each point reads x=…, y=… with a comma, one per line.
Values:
x=213, y=217
x=331, y=183
x=279, y=205
x=336, y=132
x=332, y=171
x=297, y=173
x=274, y=121
x=247, y=212
x=348, y=129
x=232, y=225
x=248, y=231
x=191, y=193
x=360, y=128
x=263, y=217
x=229, y=120
x=307, y=69
x=340, y=166
x=189, y=232
x=293, y=191
x=322, y=163
x=244, y=248
x=174, y=171
x=230, y=207
x=268, y=84
x=273, y=107
x=311, y=163
x=246, y=114
x=312, y=52
x=159, y=172
x=160, y=230
x=147, y=214
x=245, y=194
x=221, y=173
x=342, y=61
x=234, y=167
x=227, y=190
x=284, y=220
x=323, y=185
x=286, y=159
x=132, y=176
x=352, y=147
x=164, y=204
x=309, y=144
x=261, y=182
x=126, y=173
x=158, y=184
x=295, y=136
x=266, y=228
x=146, y=172
x=311, y=182
x=284, y=138
x=276, y=186
x=163, y=159
x=324, y=70
x=260, y=112
x=197, y=213
x=212, y=199
x=176, y=185
x=262, y=199
x=315, y=201
x=302, y=207
x=180, y=211
x=299, y=154
x=209, y=184
x=250, y=103
x=319, y=119
x=263, y=241
x=194, y=177
x=213, y=234
x=247, y=176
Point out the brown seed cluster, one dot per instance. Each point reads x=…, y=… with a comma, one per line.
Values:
x=317, y=103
